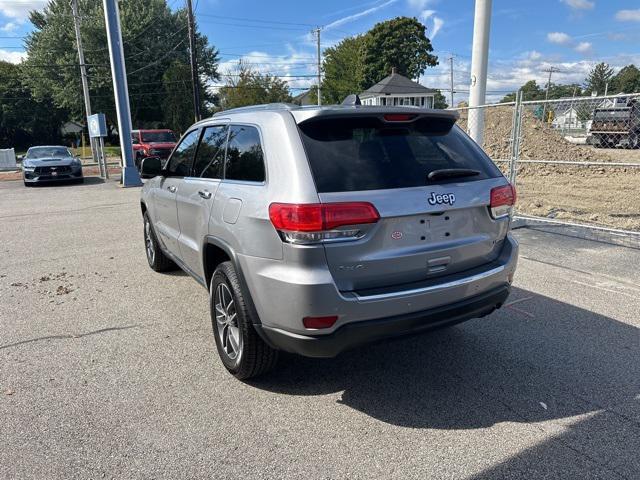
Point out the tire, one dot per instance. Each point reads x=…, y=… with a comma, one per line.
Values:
x=28, y=184
x=158, y=261
x=243, y=353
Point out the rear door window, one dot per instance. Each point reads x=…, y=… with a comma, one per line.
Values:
x=365, y=153
x=245, y=159
x=210, y=157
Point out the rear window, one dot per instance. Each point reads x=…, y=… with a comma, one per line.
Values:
x=369, y=154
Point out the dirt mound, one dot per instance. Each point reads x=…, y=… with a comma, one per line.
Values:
x=539, y=140
x=583, y=194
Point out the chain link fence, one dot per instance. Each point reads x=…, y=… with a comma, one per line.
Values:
x=575, y=162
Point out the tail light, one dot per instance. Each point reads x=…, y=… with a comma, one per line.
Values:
x=502, y=199
x=318, y=222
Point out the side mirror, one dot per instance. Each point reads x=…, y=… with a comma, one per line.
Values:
x=150, y=167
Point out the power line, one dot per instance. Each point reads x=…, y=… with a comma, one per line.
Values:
x=255, y=20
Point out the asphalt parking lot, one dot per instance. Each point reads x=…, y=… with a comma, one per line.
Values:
x=109, y=370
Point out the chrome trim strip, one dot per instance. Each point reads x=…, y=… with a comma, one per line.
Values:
x=433, y=288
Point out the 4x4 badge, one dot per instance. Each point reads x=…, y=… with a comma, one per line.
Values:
x=448, y=198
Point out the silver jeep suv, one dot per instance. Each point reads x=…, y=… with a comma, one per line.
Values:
x=316, y=229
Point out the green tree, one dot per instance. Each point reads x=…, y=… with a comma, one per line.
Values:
x=440, y=101
x=343, y=69
x=401, y=43
x=25, y=120
x=245, y=87
x=598, y=78
x=627, y=80
x=154, y=38
x=530, y=91
x=177, y=102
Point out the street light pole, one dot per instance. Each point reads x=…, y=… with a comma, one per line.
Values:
x=130, y=176
x=479, y=65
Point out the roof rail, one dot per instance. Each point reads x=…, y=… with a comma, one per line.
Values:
x=266, y=106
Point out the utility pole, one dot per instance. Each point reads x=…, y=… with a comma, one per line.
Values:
x=130, y=176
x=83, y=73
x=546, y=93
x=606, y=88
x=194, y=62
x=317, y=32
x=451, y=78
x=479, y=64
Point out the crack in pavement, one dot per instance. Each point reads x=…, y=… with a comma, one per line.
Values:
x=66, y=337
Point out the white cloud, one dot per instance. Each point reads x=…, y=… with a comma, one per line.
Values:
x=559, y=38
x=583, y=47
x=12, y=57
x=9, y=27
x=425, y=15
x=628, y=15
x=579, y=4
x=355, y=16
x=20, y=9
x=419, y=4
x=437, y=25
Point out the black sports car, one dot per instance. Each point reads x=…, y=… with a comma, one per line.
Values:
x=50, y=164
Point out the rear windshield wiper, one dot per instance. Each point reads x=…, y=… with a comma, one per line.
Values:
x=452, y=173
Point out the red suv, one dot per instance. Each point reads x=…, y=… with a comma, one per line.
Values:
x=152, y=143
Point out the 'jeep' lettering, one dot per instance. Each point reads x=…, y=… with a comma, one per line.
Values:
x=446, y=198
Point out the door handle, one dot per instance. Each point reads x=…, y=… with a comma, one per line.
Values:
x=206, y=194
x=171, y=188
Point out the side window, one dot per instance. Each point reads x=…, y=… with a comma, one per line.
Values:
x=244, y=155
x=182, y=158
x=210, y=156
x=134, y=138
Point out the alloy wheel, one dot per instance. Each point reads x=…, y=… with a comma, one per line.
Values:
x=227, y=322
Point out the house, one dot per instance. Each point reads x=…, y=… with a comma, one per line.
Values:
x=303, y=98
x=567, y=119
x=396, y=89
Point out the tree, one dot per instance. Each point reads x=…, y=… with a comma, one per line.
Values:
x=627, y=80
x=246, y=87
x=598, y=78
x=400, y=43
x=23, y=119
x=532, y=91
x=177, y=102
x=343, y=69
x=440, y=101
x=154, y=38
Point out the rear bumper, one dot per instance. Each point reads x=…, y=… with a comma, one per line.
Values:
x=285, y=292
x=358, y=333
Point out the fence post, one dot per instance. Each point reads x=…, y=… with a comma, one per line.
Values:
x=515, y=138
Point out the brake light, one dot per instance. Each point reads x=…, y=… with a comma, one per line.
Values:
x=398, y=117
x=502, y=199
x=316, y=222
x=319, y=322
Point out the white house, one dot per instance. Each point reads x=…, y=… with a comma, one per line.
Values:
x=567, y=119
x=398, y=90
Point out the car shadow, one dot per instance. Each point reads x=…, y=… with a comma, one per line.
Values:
x=536, y=360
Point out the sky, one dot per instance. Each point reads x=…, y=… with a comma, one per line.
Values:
x=527, y=37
